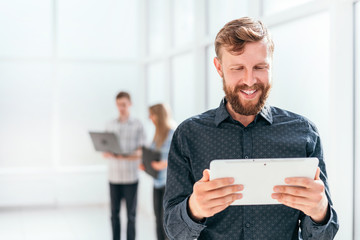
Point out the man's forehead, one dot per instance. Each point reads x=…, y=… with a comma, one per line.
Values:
x=253, y=56
x=123, y=99
x=259, y=48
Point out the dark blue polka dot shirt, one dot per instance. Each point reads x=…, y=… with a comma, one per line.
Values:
x=275, y=133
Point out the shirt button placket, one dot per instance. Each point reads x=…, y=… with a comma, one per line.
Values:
x=247, y=143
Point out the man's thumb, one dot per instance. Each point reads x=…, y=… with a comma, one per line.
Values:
x=206, y=176
x=317, y=175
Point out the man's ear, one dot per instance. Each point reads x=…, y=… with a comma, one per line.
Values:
x=218, y=67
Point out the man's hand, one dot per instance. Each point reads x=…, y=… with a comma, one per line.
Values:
x=108, y=155
x=307, y=195
x=111, y=155
x=159, y=165
x=211, y=197
x=142, y=167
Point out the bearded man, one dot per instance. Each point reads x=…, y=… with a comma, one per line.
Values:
x=245, y=126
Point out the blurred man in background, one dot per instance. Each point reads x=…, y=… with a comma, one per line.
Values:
x=123, y=168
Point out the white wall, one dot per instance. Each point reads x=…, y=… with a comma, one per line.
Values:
x=61, y=65
x=357, y=125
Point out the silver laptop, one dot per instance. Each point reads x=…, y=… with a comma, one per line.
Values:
x=105, y=142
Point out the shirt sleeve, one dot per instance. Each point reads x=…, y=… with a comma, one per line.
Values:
x=328, y=229
x=179, y=185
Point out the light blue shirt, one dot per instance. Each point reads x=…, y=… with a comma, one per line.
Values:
x=160, y=181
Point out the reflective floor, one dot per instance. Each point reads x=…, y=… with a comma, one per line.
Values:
x=68, y=223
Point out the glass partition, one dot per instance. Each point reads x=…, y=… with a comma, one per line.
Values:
x=184, y=91
x=301, y=69
x=183, y=20
x=214, y=82
x=357, y=123
x=97, y=29
x=156, y=26
x=26, y=28
x=221, y=12
x=275, y=6
x=157, y=84
x=26, y=108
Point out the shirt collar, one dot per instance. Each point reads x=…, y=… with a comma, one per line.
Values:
x=266, y=113
x=222, y=113
x=128, y=120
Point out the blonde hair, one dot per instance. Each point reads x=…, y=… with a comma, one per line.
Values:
x=163, y=122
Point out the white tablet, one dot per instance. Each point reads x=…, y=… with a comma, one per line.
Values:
x=259, y=176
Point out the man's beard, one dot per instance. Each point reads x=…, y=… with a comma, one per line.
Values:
x=247, y=109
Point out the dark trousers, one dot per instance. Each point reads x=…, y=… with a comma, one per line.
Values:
x=159, y=212
x=129, y=193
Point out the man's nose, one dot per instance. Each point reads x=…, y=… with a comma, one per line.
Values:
x=249, y=78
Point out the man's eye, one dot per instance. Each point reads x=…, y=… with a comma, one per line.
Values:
x=260, y=67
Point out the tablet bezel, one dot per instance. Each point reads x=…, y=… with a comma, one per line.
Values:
x=259, y=176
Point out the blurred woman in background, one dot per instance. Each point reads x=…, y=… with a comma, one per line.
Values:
x=160, y=115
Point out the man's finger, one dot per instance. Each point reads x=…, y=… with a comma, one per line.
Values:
x=227, y=200
x=317, y=175
x=298, y=206
x=292, y=190
x=206, y=176
x=225, y=191
x=300, y=181
x=215, y=183
x=290, y=199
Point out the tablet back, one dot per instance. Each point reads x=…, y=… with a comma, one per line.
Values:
x=259, y=176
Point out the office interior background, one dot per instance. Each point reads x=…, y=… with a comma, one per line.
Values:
x=63, y=61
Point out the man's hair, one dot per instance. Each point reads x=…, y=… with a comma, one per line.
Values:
x=237, y=33
x=123, y=95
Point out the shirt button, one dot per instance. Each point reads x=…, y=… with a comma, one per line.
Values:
x=246, y=157
x=247, y=225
